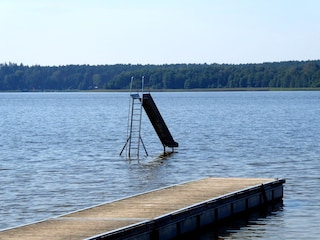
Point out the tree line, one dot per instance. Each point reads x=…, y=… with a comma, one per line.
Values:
x=290, y=74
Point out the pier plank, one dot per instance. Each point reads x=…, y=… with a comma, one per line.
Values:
x=124, y=212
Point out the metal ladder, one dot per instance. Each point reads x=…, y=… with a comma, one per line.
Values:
x=134, y=139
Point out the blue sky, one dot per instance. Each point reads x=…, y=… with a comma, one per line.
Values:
x=61, y=32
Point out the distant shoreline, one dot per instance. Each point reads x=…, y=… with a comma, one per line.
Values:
x=233, y=89
x=179, y=90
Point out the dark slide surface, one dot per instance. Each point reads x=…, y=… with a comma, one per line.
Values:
x=157, y=121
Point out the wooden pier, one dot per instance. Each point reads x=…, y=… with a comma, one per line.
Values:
x=160, y=214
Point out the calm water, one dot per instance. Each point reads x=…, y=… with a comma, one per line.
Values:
x=59, y=152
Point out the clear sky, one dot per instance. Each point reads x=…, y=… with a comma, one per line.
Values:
x=62, y=32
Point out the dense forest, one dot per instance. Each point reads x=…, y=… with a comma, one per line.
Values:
x=291, y=74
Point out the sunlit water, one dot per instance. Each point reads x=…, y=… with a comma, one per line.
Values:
x=59, y=152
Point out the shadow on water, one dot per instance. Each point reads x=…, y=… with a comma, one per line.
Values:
x=225, y=229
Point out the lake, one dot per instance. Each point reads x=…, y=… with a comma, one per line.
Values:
x=59, y=152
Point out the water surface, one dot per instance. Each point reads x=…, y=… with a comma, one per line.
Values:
x=59, y=152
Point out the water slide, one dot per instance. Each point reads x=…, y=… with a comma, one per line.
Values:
x=157, y=121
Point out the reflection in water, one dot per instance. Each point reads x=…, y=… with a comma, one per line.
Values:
x=248, y=225
x=149, y=172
